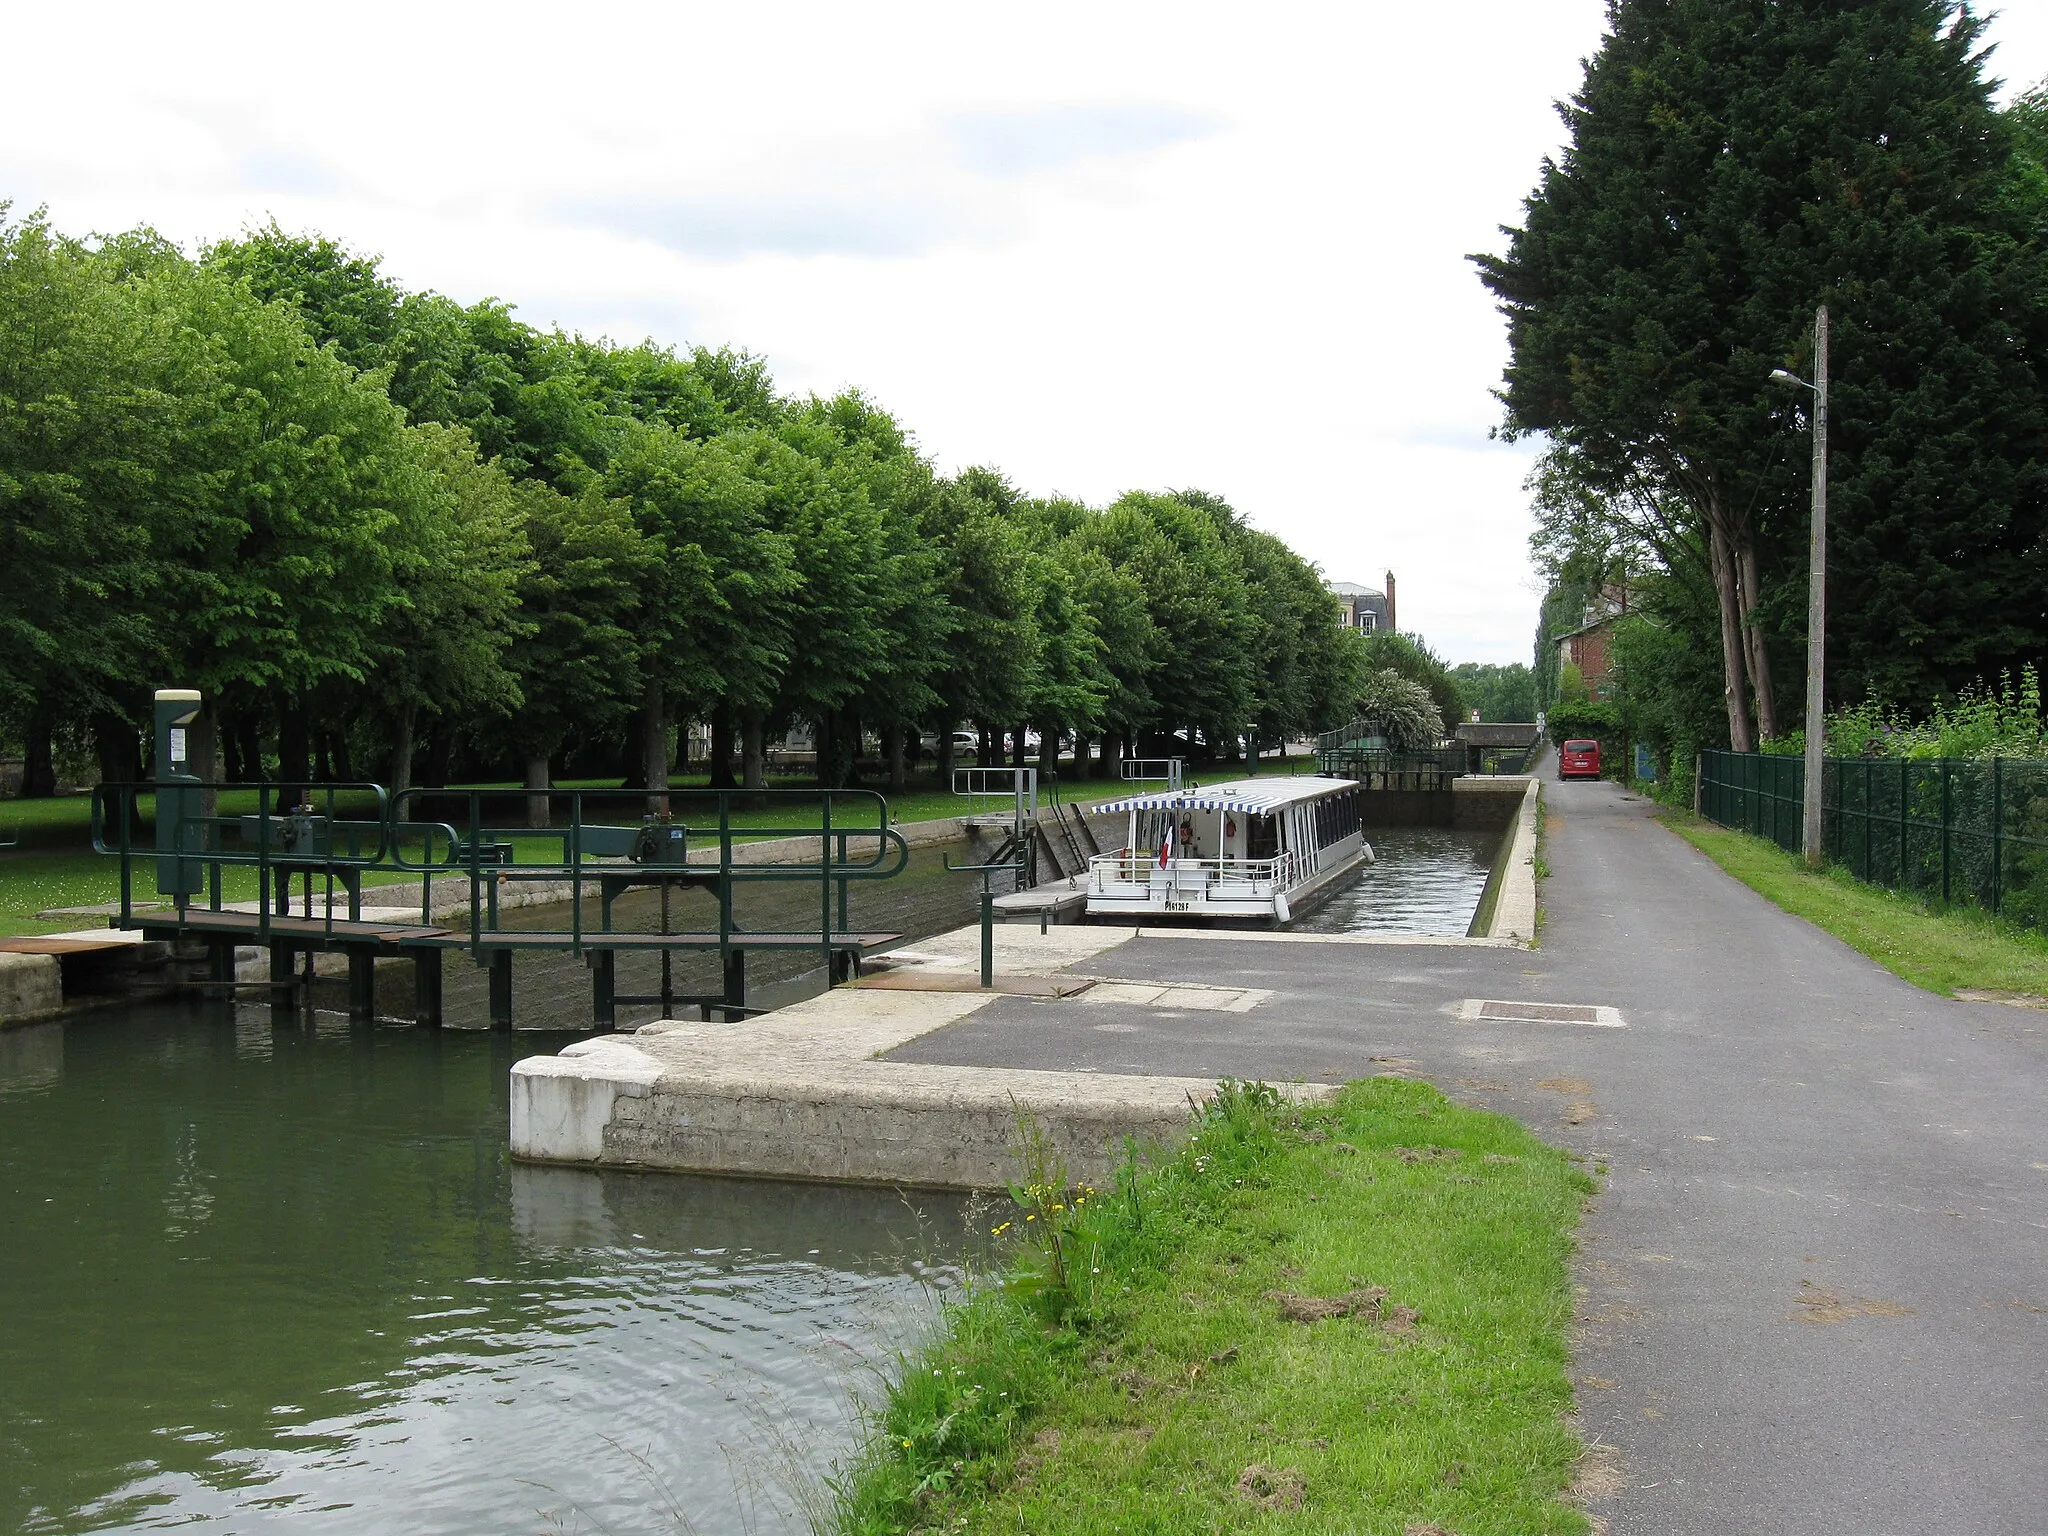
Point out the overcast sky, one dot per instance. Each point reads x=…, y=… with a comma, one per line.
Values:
x=1098, y=246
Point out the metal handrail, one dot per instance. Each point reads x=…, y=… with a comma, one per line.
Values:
x=1148, y=770
x=192, y=843
x=579, y=865
x=988, y=872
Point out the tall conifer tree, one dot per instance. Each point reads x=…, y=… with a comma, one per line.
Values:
x=1732, y=164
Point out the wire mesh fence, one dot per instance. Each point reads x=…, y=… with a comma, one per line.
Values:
x=1969, y=831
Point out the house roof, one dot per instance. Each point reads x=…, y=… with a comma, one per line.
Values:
x=1587, y=629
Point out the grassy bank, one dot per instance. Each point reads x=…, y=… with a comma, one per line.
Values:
x=1941, y=951
x=1350, y=1318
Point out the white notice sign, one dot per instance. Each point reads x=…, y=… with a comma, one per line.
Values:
x=178, y=744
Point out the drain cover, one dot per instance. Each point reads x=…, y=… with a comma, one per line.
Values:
x=1493, y=1011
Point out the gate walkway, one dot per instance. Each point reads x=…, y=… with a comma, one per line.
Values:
x=1816, y=1280
x=569, y=846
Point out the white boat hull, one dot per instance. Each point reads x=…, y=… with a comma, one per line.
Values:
x=1199, y=890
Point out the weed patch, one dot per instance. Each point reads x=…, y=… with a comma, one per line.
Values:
x=1287, y=1326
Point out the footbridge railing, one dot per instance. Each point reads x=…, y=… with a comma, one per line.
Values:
x=229, y=857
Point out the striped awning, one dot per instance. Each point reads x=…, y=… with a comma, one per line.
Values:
x=1260, y=795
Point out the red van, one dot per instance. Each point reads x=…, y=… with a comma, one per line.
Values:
x=1579, y=760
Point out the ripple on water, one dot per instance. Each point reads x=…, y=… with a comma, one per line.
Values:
x=1425, y=880
x=379, y=1324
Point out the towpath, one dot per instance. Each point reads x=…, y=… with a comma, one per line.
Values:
x=1815, y=1287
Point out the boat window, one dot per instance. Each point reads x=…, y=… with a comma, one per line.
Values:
x=1261, y=836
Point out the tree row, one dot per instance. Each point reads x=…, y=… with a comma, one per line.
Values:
x=392, y=536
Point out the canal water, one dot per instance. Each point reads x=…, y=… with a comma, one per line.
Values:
x=1424, y=880
x=260, y=1273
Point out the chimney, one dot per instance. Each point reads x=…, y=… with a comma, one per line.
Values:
x=1392, y=622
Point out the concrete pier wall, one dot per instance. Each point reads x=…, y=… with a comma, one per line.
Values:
x=800, y=1093
x=31, y=987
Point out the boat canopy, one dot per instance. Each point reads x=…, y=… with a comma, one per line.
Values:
x=1255, y=795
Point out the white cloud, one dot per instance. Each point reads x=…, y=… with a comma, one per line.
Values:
x=1100, y=246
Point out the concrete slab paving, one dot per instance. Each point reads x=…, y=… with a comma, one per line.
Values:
x=1815, y=1288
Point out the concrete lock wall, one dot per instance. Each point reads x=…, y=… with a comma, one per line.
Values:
x=31, y=987
x=876, y=1133
x=1478, y=803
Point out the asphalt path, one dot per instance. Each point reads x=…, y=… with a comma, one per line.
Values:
x=1814, y=1288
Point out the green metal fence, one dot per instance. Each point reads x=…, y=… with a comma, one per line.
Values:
x=1968, y=831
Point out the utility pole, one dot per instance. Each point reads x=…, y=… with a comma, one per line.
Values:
x=1816, y=590
x=1817, y=598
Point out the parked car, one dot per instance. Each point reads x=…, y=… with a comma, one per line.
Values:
x=1579, y=760
x=965, y=743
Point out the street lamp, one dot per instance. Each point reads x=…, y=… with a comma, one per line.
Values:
x=1816, y=586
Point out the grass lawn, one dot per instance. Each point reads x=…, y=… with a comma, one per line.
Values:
x=1938, y=950
x=1344, y=1319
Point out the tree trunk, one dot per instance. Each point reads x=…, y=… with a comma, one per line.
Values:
x=1112, y=754
x=344, y=765
x=398, y=772
x=237, y=758
x=117, y=747
x=38, y=760
x=721, y=748
x=1735, y=683
x=985, y=746
x=294, y=748
x=892, y=750
x=946, y=756
x=202, y=761
x=654, y=746
x=1756, y=653
x=539, y=811
x=249, y=730
x=323, y=756
x=753, y=756
x=1080, y=756
x=1017, y=746
x=852, y=739
x=440, y=755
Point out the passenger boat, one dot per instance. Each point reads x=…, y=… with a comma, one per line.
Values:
x=1252, y=848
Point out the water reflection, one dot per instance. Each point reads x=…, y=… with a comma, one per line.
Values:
x=256, y=1273
x=31, y=1057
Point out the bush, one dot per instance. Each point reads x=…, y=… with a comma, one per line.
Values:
x=1570, y=721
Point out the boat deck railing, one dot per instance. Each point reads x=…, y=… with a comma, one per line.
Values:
x=1130, y=866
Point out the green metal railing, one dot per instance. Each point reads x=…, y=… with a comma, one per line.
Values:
x=1969, y=831
x=1377, y=768
x=295, y=831
x=336, y=834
